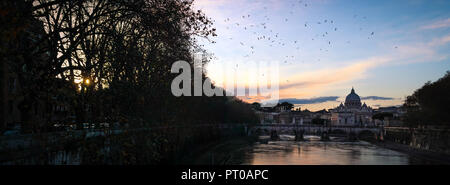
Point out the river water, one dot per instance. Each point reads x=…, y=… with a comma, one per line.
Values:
x=312, y=151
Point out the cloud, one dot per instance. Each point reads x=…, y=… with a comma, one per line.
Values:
x=439, y=41
x=316, y=82
x=309, y=83
x=313, y=82
x=209, y=3
x=438, y=24
x=219, y=9
x=323, y=99
x=376, y=98
x=318, y=79
x=310, y=100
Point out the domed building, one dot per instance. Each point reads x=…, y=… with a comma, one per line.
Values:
x=352, y=112
x=352, y=100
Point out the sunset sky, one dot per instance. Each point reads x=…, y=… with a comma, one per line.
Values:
x=384, y=49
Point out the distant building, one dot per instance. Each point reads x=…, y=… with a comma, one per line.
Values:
x=397, y=111
x=392, y=116
x=352, y=112
x=267, y=117
x=304, y=117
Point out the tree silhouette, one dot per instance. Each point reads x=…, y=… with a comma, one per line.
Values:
x=124, y=48
x=429, y=105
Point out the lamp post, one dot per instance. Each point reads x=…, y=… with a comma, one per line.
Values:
x=84, y=90
x=87, y=81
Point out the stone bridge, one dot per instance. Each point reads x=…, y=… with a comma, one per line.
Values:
x=351, y=132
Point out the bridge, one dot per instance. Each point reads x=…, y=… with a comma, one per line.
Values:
x=351, y=132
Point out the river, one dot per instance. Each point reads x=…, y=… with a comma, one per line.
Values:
x=312, y=151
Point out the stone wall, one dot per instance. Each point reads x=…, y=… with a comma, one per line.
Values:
x=160, y=145
x=435, y=140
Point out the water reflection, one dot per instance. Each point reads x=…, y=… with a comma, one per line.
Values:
x=315, y=152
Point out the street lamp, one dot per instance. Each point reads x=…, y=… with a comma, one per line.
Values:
x=84, y=93
x=87, y=81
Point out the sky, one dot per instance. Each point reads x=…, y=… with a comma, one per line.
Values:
x=384, y=49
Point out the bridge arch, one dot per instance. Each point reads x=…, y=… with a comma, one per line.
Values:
x=353, y=133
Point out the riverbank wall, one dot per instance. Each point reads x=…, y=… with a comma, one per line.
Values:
x=157, y=145
x=432, y=140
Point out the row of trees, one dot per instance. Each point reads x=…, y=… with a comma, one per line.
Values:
x=113, y=57
x=282, y=105
x=430, y=104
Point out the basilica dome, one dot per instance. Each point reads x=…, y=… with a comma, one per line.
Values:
x=352, y=99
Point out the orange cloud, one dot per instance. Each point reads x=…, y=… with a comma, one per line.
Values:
x=312, y=83
x=308, y=83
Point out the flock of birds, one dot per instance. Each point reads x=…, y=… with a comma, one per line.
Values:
x=265, y=33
